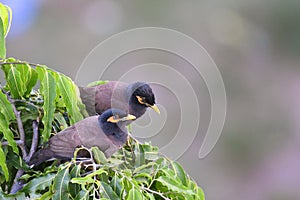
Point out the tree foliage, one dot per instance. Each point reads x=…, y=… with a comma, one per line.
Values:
x=37, y=102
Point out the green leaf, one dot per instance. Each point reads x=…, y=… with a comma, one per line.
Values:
x=68, y=91
x=75, y=188
x=143, y=179
x=29, y=112
x=152, y=156
x=88, y=178
x=162, y=162
x=82, y=195
x=6, y=108
x=29, y=76
x=5, y=22
x=3, y=164
x=151, y=152
x=46, y=196
x=147, y=168
x=180, y=173
x=139, y=155
x=166, y=171
x=145, y=175
x=174, y=185
x=127, y=173
x=32, y=81
x=96, y=83
x=2, y=41
x=8, y=134
x=61, y=120
x=82, y=180
x=6, y=18
x=24, y=71
x=15, y=83
x=15, y=160
x=127, y=184
x=38, y=184
x=98, y=155
x=6, y=65
x=48, y=91
x=150, y=196
x=134, y=194
x=18, y=196
x=61, y=185
x=97, y=172
x=116, y=185
x=108, y=192
x=200, y=194
x=179, y=196
x=114, y=161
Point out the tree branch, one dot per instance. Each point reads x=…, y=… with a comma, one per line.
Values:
x=5, y=143
x=15, y=63
x=155, y=192
x=20, y=127
x=34, y=142
x=18, y=184
x=21, y=143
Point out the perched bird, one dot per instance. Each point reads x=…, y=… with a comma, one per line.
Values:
x=106, y=131
x=133, y=98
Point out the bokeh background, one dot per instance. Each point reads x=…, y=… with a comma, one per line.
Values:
x=255, y=44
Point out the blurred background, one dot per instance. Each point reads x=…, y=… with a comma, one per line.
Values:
x=256, y=46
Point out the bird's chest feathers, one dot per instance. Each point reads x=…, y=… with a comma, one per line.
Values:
x=136, y=109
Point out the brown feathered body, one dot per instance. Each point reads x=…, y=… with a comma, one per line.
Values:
x=113, y=94
x=86, y=132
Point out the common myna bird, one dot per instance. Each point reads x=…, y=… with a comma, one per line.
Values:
x=106, y=131
x=133, y=98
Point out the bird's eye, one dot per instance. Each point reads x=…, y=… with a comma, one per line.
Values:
x=113, y=133
x=141, y=100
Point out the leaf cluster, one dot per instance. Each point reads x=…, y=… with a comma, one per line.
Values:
x=137, y=171
x=37, y=102
x=54, y=106
x=5, y=22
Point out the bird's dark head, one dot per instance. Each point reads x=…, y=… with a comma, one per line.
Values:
x=142, y=94
x=112, y=122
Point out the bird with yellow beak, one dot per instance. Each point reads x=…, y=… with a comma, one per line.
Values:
x=106, y=131
x=133, y=98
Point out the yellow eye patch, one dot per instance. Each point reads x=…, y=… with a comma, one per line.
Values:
x=113, y=119
x=141, y=100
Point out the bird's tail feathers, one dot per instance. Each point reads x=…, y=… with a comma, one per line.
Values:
x=40, y=156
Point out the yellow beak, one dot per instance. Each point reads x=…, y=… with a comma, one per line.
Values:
x=129, y=117
x=155, y=108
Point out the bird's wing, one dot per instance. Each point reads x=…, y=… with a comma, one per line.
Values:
x=61, y=146
x=64, y=143
x=91, y=134
x=111, y=95
x=111, y=150
x=88, y=96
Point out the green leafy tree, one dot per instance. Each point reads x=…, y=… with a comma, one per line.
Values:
x=37, y=102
